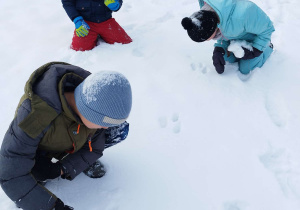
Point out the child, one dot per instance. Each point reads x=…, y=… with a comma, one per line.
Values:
x=93, y=18
x=66, y=113
x=232, y=20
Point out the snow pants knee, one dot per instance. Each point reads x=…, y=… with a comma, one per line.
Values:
x=245, y=66
x=110, y=31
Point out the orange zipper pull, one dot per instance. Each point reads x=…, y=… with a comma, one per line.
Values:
x=90, y=142
x=78, y=128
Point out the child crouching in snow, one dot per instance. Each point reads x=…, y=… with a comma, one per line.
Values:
x=234, y=24
x=66, y=113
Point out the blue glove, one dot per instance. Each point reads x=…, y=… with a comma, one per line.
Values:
x=113, y=5
x=82, y=28
x=115, y=135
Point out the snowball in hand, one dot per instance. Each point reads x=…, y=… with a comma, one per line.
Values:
x=237, y=47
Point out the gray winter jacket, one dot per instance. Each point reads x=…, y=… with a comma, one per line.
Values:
x=18, y=150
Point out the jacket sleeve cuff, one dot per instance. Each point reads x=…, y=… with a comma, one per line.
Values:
x=69, y=172
x=29, y=195
x=222, y=43
x=38, y=198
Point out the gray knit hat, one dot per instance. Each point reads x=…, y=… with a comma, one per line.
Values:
x=104, y=98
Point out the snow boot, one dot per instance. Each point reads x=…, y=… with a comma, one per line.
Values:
x=244, y=77
x=96, y=170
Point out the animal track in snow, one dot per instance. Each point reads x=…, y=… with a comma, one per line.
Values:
x=199, y=67
x=277, y=110
x=235, y=205
x=173, y=122
x=163, y=122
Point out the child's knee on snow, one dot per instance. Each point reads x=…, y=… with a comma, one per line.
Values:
x=244, y=67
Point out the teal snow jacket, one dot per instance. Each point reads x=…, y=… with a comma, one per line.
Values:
x=242, y=20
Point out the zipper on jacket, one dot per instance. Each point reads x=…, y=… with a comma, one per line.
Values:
x=78, y=128
x=90, y=142
x=75, y=133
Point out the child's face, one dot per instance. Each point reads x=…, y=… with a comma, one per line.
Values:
x=90, y=125
x=212, y=36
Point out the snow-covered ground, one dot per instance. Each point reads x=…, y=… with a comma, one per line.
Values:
x=198, y=140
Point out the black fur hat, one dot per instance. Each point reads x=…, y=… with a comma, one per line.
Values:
x=201, y=25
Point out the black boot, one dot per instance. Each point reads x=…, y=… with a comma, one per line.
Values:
x=96, y=170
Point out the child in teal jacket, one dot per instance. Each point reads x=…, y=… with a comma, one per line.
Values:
x=231, y=22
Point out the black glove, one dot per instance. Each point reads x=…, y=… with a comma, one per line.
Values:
x=66, y=174
x=44, y=169
x=59, y=205
x=251, y=54
x=218, y=59
x=95, y=171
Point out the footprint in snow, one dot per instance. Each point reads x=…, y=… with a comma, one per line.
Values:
x=276, y=109
x=285, y=168
x=173, y=122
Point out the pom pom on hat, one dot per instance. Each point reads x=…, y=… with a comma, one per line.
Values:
x=187, y=23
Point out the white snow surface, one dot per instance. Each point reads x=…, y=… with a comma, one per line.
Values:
x=197, y=140
x=236, y=46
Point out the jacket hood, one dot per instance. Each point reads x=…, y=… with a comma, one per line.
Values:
x=47, y=80
x=226, y=6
